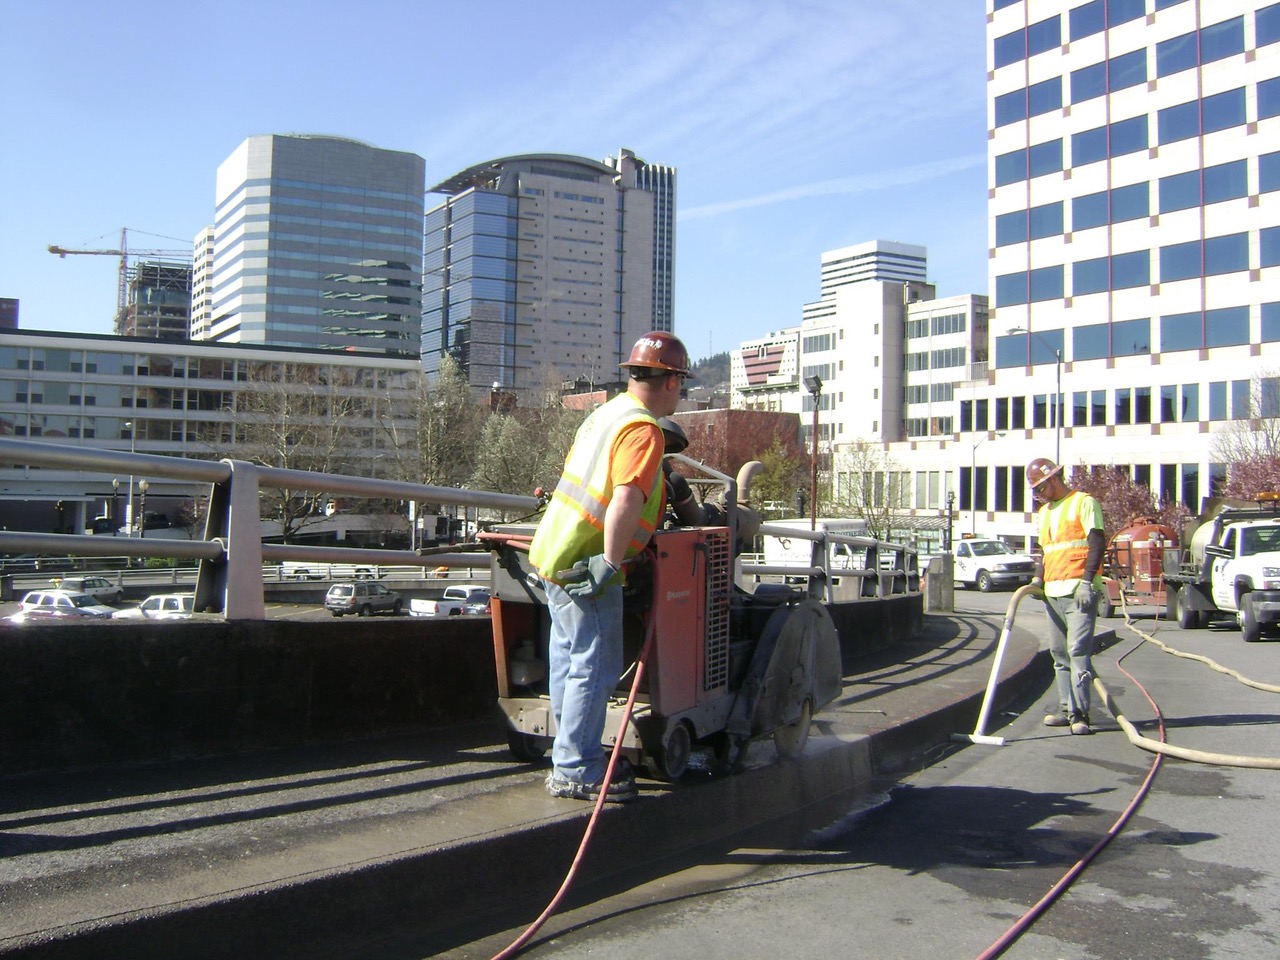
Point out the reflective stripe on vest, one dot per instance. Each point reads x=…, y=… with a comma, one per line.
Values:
x=1067, y=547
x=573, y=526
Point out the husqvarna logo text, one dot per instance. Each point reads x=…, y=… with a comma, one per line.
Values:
x=677, y=595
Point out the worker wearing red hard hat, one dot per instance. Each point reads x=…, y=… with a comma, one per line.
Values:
x=1073, y=543
x=608, y=503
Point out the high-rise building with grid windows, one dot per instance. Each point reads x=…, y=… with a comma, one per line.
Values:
x=1134, y=237
x=316, y=243
x=543, y=268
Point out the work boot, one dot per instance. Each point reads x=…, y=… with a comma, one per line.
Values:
x=622, y=788
x=1080, y=726
x=1057, y=720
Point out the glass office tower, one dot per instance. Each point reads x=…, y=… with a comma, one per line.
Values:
x=317, y=243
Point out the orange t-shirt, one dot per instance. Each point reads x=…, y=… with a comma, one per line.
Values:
x=636, y=456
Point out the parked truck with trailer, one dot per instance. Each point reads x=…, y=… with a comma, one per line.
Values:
x=1230, y=567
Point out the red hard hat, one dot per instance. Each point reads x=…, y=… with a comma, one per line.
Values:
x=1041, y=469
x=659, y=351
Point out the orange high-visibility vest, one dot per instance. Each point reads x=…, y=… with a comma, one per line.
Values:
x=572, y=528
x=1063, y=539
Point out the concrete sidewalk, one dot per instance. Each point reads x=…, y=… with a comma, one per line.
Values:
x=316, y=852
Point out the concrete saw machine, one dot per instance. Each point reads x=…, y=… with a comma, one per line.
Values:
x=726, y=666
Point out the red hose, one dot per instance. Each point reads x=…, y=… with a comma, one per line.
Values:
x=1013, y=933
x=521, y=941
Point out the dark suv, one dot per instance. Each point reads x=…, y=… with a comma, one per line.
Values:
x=364, y=598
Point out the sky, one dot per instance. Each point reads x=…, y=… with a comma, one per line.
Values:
x=795, y=126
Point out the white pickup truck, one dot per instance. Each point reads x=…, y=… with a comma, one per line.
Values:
x=987, y=564
x=450, y=603
x=1233, y=569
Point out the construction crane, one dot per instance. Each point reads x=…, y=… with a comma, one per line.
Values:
x=124, y=253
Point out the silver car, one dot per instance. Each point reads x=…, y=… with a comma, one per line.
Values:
x=60, y=604
x=98, y=587
x=162, y=606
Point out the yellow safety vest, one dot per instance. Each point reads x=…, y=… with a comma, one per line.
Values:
x=572, y=528
x=1065, y=542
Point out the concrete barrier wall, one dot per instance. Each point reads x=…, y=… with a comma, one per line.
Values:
x=87, y=694
x=74, y=695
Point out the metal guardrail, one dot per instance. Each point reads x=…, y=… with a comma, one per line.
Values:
x=231, y=554
x=893, y=565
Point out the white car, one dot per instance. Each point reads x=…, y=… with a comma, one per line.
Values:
x=987, y=564
x=60, y=604
x=161, y=606
x=98, y=587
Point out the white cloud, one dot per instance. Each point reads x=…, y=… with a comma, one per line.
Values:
x=862, y=183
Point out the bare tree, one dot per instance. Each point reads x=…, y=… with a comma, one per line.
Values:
x=298, y=417
x=869, y=484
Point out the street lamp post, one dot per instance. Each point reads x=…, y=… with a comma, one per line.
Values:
x=1057, y=397
x=128, y=509
x=115, y=500
x=142, y=508
x=951, y=517
x=814, y=385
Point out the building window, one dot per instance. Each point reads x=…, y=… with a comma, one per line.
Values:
x=1130, y=203
x=1046, y=284
x=1267, y=25
x=1228, y=254
x=1179, y=122
x=1269, y=98
x=1088, y=146
x=1045, y=221
x=1176, y=54
x=1011, y=107
x=1089, y=82
x=1011, y=228
x=1044, y=158
x=1128, y=136
x=1268, y=172
x=1011, y=167
x=1190, y=410
x=1225, y=110
x=1181, y=331
x=1124, y=405
x=1131, y=338
x=1011, y=289
x=1044, y=97
x=1018, y=414
x=1010, y=48
x=1130, y=270
x=1090, y=276
x=1089, y=211
x=1226, y=327
x=1098, y=403
x=1221, y=40
x=1180, y=261
x=1127, y=70
x=1270, y=322
x=1122, y=11
x=1226, y=181
x=1241, y=405
x=1086, y=20
x=1169, y=403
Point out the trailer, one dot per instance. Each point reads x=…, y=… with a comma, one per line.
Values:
x=1133, y=568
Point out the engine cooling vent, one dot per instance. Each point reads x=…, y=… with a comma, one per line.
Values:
x=719, y=581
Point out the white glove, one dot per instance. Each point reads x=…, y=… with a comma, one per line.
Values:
x=1086, y=597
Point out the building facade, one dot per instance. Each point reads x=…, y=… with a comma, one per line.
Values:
x=1134, y=250
x=542, y=268
x=317, y=243
x=176, y=399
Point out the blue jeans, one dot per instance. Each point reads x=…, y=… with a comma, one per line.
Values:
x=1071, y=645
x=585, y=662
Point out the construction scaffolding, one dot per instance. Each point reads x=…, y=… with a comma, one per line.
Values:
x=158, y=303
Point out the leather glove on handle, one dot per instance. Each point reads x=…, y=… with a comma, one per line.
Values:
x=587, y=577
x=1084, y=596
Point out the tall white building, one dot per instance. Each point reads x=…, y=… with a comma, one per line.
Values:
x=547, y=263
x=317, y=243
x=873, y=260
x=1134, y=242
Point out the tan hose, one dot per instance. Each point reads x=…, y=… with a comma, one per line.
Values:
x=1168, y=749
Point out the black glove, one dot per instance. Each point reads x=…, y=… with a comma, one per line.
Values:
x=587, y=577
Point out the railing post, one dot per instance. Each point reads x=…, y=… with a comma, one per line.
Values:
x=234, y=587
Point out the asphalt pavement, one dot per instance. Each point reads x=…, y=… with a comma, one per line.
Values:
x=443, y=844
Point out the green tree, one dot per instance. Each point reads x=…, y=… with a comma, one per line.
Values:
x=869, y=485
